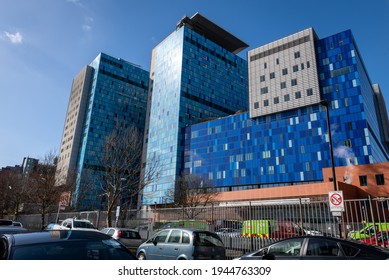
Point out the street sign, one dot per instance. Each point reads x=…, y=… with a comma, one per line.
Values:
x=117, y=211
x=336, y=201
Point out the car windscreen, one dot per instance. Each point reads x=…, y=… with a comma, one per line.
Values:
x=74, y=250
x=209, y=239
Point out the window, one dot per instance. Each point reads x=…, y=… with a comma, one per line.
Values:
x=295, y=68
x=363, y=180
x=283, y=85
x=185, y=238
x=266, y=154
x=266, y=103
x=302, y=66
x=277, y=61
x=285, y=71
x=309, y=92
x=318, y=247
x=286, y=248
x=175, y=236
x=380, y=179
x=297, y=94
x=265, y=65
x=308, y=64
x=276, y=100
x=256, y=105
x=262, y=78
x=347, y=143
x=286, y=97
x=296, y=54
x=272, y=75
x=293, y=82
x=161, y=237
x=264, y=90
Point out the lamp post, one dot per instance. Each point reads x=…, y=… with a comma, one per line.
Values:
x=326, y=105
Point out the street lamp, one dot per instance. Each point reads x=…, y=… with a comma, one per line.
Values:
x=326, y=105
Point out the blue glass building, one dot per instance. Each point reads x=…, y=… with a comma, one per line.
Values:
x=195, y=75
x=112, y=95
x=283, y=139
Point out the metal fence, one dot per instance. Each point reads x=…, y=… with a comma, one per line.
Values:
x=311, y=216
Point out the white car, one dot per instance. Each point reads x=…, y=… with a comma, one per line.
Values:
x=75, y=224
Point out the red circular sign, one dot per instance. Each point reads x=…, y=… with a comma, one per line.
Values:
x=336, y=199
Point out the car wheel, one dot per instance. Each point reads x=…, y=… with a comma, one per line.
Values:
x=141, y=256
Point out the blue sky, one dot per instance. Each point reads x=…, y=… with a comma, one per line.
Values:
x=45, y=43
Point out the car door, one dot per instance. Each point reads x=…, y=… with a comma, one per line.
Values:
x=323, y=249
x=156, y=246
x=286, y=250
x=173, y=245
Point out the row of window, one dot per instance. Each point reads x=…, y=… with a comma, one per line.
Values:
x=293, y=83
x=276, y=100
x=380, y=180
x=295, y=68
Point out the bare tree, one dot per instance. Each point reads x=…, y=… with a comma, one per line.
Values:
x=121, y=159
x=193, y=193
x=44, y=191
x=14, y=191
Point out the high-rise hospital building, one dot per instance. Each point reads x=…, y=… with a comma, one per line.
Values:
x=195, y=75
x=107, y=94
x=283, y=140
x=249, y=128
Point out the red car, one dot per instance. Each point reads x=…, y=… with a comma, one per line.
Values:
x=382, y=239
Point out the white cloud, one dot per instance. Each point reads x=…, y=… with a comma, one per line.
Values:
x=87, y=26
x=14, y=38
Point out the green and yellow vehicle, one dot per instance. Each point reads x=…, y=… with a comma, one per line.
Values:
x=271, y=228
x=261, y=228
x=368, y=230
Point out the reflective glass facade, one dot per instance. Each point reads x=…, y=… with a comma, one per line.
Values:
x=292, y=147
x=192, y=79
x=117, y=99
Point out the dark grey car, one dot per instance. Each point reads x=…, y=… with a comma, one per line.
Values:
x=62, y=245
x=317, y=248
x=182, y=244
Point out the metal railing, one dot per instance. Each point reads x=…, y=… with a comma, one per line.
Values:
x=285, y=217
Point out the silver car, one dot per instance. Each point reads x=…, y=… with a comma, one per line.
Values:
x=182, y=244
x=128, y=237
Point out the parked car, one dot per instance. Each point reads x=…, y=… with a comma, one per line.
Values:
x=271, y=228
x=380, y=239
x=17, y=224
x=368, y=230
x=128, y=237
x=310, y=231
x=317, y=248
x=231, y=232
x=182, y=244
x=8, y=226
x=75, y=224
x=62, y=245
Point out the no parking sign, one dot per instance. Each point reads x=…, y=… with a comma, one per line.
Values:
x=336, y=201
